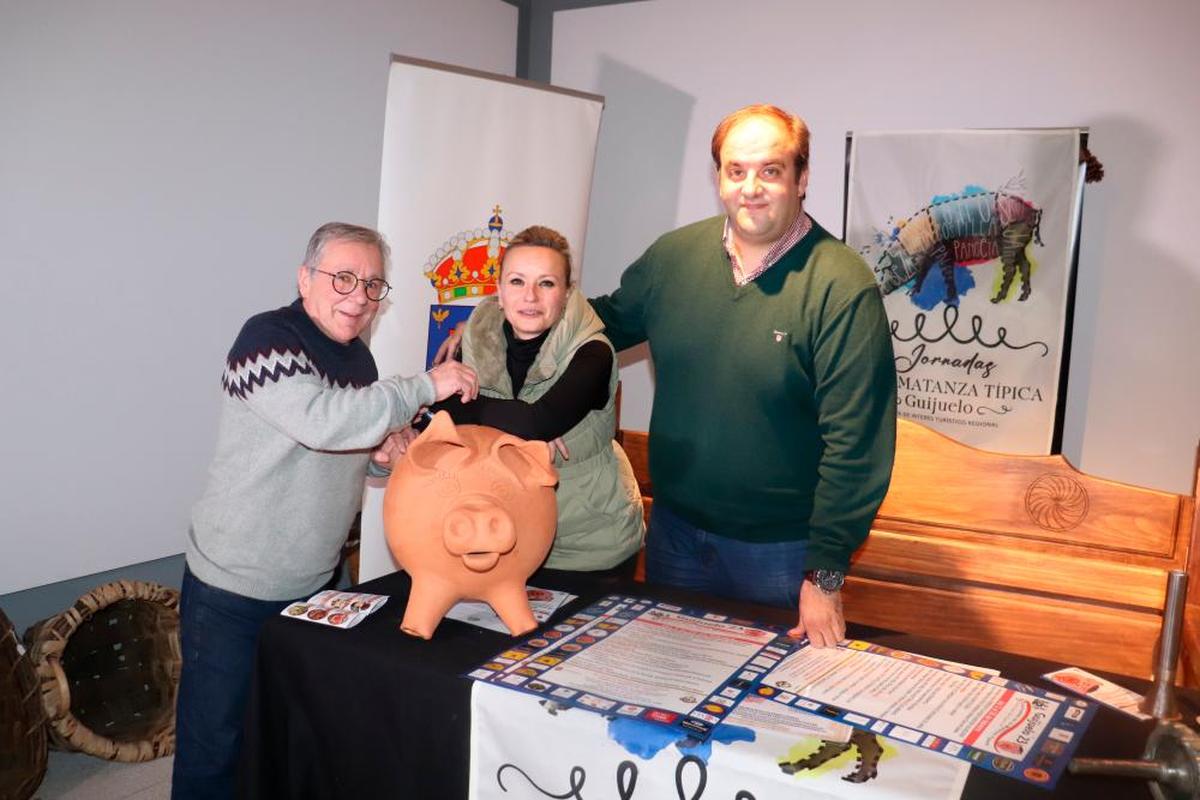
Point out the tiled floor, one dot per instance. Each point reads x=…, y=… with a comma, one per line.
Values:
x=76, y=776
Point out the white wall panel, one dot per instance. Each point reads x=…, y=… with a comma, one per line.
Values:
x=669, y=70
x=162, y=165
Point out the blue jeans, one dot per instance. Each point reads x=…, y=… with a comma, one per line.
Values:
x=218, y=634
x=680, y=554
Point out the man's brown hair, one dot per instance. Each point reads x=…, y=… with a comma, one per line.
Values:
x=797, y=131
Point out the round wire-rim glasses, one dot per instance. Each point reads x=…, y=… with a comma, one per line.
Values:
x=345, y=282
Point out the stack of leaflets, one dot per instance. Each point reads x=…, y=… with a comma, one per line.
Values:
x=339, y=609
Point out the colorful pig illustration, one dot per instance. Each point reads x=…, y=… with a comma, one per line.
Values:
x=958, y=230
x=469, y=514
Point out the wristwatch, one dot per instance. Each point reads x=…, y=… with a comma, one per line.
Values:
x=829, y=581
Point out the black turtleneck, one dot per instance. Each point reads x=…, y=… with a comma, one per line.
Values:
x=519, y=355
x=582, y=387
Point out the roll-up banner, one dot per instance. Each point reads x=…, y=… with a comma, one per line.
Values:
x=469, y=159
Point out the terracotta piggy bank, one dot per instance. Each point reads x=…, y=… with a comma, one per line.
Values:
x=470, y=514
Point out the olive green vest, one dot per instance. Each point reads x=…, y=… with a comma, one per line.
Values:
x=600, y=520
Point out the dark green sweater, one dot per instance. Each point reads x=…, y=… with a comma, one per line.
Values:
x=775, y=402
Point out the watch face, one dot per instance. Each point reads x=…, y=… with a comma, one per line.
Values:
x=828, y=580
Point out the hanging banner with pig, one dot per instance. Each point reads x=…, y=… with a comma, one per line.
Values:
x=972, y=238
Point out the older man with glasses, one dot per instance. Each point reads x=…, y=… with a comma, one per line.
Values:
x=302, y=409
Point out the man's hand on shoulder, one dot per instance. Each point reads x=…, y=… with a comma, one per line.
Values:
x=448, y=349
x=820, y=616
x=557, y=445
x=454, y=377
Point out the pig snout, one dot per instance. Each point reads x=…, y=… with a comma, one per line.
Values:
x=478, y=531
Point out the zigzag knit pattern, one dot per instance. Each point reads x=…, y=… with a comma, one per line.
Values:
x=284, y=343
x=240, y=379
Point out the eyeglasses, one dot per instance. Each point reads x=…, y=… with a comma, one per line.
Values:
x=345, y=282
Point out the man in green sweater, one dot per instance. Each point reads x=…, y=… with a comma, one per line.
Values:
x=774, y=423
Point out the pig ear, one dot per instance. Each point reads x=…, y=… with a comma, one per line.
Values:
x=528, y=461
x=439, y=447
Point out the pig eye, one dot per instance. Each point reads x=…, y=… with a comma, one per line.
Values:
x=503, y=489
x=444, y=485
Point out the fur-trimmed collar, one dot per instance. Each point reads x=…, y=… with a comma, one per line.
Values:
x=484, y=346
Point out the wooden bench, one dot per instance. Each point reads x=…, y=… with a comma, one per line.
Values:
x=1018, y=553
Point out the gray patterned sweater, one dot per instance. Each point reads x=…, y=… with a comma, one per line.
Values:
x=300, y=414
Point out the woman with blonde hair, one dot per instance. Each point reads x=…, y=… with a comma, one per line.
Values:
x=546, y=371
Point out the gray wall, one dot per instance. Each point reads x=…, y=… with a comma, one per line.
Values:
x=670, y=69
x=162, y=165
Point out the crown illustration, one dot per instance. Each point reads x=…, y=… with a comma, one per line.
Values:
x=468, y=264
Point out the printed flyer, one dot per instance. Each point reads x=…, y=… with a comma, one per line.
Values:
x=997, y=724
x=1100, y=690
x=640, y=659
x=542, y=602
x=336, y=609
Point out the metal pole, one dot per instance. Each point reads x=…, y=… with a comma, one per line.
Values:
x=1160, y=700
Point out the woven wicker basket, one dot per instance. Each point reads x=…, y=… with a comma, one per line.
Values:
x=108, y=669
x=22, y=721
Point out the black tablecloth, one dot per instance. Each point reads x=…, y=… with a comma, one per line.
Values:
x=371, y=712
